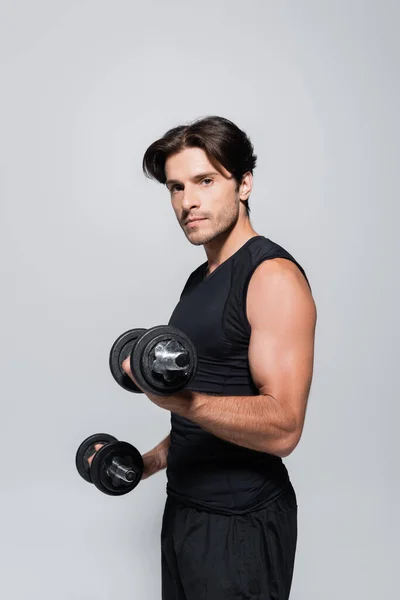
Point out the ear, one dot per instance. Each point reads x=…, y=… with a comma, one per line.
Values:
x=246, y=186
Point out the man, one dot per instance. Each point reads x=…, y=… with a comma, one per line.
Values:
x=230, y=521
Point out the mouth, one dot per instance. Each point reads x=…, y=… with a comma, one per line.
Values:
x=193, y=222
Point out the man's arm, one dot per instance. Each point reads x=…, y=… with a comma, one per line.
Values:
x=156, y=459
x=282, y=315
x=153, y=461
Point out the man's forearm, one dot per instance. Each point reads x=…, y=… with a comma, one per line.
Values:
x=256, y=422
x=156, y=459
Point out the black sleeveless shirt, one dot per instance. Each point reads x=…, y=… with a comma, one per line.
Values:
x=203, y=470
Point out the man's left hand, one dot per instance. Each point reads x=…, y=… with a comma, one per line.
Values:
x=178, y=403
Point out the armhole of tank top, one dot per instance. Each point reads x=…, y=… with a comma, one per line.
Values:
x=246, y=283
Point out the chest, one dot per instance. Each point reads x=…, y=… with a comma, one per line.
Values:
x=201, y=314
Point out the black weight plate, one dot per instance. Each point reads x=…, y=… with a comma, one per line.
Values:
x=141, y=360
x=127, y=455
x=120, y=350
x=86, y=449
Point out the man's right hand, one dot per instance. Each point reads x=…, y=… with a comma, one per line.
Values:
x=97, y=448
x=153, y=461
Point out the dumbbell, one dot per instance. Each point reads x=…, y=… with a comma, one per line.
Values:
x=163, y=360
x=117, y=467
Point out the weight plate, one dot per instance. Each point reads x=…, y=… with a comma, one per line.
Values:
x=86, y=449
x=126, y=455
x=144, y=357
x=120, y=350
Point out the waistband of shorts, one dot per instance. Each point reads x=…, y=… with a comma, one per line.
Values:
x=283, y=495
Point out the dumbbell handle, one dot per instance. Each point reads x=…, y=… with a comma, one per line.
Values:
x=170, y=356
x=121, y=471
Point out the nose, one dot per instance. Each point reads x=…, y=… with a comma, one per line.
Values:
x=190, y=200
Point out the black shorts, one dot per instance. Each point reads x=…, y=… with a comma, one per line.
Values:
x=207, y=556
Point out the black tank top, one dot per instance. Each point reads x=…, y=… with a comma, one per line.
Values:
x=203, y=470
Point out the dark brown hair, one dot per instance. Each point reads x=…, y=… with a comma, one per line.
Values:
x=222, y=141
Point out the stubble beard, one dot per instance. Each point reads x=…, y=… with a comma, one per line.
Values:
x=217, y=226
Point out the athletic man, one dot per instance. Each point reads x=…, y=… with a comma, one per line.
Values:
x=230, y=521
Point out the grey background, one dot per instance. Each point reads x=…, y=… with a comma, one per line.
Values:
x=91, y=248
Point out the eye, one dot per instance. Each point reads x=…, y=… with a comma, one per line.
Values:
x=174, y=188
x=207, y=179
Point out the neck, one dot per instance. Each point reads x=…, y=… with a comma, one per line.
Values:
x=226, y=244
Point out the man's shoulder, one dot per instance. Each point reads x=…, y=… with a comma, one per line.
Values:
x=198, y=270
x=266, y=244
x=194, y=276
x=272, y=259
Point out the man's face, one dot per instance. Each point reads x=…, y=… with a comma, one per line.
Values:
x=199, y=191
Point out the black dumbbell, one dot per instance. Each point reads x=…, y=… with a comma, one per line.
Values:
x=163, y=360
x=117, y=467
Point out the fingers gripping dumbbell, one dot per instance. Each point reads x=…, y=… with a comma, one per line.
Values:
x=163, y=360
x=116, y=468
